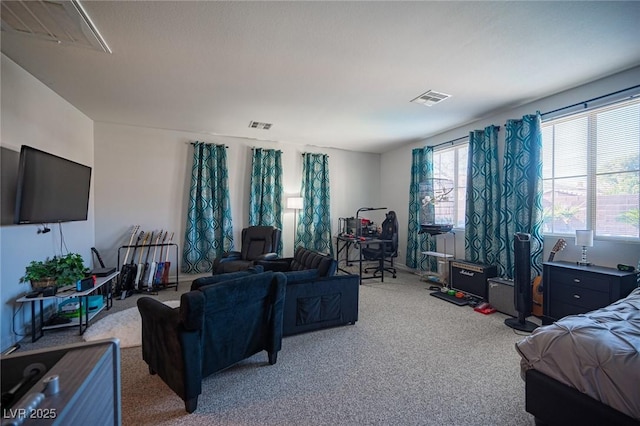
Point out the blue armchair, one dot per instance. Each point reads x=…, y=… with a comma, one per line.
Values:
x=216, y=326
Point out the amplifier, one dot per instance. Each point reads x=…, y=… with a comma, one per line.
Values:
x=471, y=278
x=501, y=296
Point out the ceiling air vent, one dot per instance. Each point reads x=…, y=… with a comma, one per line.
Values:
x=259, y=125
x=64, y=22
x=430, y=98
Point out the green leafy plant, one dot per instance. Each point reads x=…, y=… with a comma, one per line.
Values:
x=39, y=270
x=65, y=269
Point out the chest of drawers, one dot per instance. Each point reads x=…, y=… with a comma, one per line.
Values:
x=572, y=289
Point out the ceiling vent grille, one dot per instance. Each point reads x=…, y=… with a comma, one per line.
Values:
x=259, y=125
x=430, y=98
x=64, y=22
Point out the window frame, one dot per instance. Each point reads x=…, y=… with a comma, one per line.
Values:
x=457, y=188
x=591, y=162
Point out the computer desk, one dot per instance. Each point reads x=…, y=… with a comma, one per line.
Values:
x=344, y=242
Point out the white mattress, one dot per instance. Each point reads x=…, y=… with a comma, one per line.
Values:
x=597, y=353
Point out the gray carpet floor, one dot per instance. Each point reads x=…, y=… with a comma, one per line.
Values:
x=411, y=359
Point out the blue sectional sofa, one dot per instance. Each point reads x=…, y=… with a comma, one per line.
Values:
x=315, y=298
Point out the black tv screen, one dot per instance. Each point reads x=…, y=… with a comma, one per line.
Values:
x=50, y=188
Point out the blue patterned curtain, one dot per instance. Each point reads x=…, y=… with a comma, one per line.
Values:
x=421, y=171
x=522, y=192
x=482, y=216
x=314, y=224
x=209, y=231
x=265, y=195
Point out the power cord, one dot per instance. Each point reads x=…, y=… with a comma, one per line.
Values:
x=62, y=241
x=13, y=324
x=11, y=350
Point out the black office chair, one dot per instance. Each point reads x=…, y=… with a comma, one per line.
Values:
x=376, y=252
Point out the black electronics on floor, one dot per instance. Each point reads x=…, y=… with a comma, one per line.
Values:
x=471, y=278
x=450, y=298
x=522, y=283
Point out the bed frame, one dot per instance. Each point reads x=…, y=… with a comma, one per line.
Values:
x=554, y=403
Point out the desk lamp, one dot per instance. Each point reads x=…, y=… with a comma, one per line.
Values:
x=584, y=238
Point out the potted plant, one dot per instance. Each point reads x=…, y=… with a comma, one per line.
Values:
x=58, y=271
x=40, y=274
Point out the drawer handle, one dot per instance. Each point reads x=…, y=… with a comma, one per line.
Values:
x=576, y=296
x=576, y=280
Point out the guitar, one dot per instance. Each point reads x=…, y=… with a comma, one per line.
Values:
x=142, y=267
x=158, y=275
x=537, y=289
x=148, y=279
x=129, y=272
x=139, y=265
x=121, y=281
x=167, y=265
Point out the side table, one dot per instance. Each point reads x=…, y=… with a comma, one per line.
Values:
x=571, y=289
x=104, y=284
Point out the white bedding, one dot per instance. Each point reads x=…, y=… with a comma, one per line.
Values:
x=597, y=353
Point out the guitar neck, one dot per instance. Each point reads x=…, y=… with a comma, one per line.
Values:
x=164, y=239
x=155, y=249
x=133, y=235
x=94, y=250
x=135, y=248
x=144, y=241
x=167, y=253
x=146, y=260
x=559, y=246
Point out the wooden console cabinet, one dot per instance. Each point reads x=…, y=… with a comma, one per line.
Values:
x=571, y=289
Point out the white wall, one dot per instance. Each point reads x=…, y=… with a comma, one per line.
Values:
x=143, y=177
x=32, y=114
x=396, y=165
x=140, y=176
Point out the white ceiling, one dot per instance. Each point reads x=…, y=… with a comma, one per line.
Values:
x=333, y=74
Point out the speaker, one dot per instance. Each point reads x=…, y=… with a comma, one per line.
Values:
x=501, y=296
x=522, y=283
x=471, y=278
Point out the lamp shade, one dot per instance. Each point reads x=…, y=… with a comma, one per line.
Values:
x=295, y=203
x=584, y=237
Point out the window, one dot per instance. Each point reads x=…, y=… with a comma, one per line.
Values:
x=591, y=171
x=451, y=163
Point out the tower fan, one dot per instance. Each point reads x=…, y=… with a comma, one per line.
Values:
x=522, y=283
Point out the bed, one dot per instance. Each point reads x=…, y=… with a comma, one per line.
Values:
x=585, y=369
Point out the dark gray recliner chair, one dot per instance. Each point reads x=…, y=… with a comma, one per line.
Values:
x=258, y=243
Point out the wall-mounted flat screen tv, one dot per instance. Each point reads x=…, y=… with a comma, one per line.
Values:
x=50, y=188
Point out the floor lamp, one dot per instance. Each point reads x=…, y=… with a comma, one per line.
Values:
x=295, y=203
